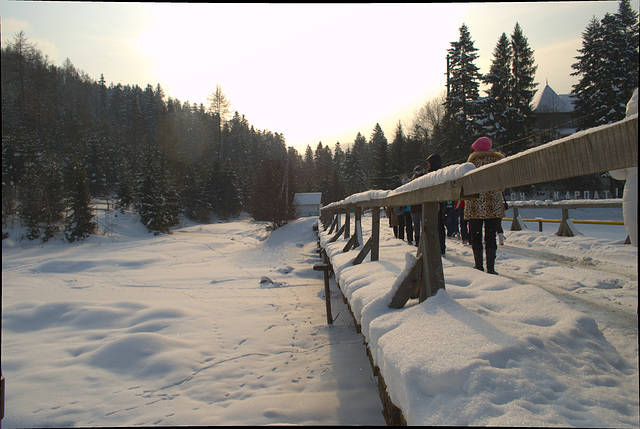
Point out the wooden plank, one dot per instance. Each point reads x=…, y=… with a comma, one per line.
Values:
x=334, y=222
x=408, y=285
x=347, y=222
x=433, y=274
x=358, y=232
x=363, y=253
x=375, y=233
x=564, y=230
x=597, y=150
x=327, y=293
x=338, y=234
x=593, y=151
x=351, y=244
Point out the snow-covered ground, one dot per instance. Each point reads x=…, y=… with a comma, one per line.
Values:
x=225, y=324
x=134, y=329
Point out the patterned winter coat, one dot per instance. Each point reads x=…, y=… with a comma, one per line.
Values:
x=489, y=204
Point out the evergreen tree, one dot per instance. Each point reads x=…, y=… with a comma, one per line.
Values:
x=381, y=178
x=460, y=105
x=607, y=67
x=80, y=222
x=522, y=88
x=158, y=201
x=353, y=172
x=267, y=201
x=323, y=161
x=496, y=106
x=309, y=171
x=398, y=152
x=226, y=192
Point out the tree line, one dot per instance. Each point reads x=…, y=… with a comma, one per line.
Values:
x=67, y=138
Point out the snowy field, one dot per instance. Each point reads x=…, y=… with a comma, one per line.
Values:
x=225, y=324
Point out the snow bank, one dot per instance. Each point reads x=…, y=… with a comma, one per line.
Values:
x=487, y=350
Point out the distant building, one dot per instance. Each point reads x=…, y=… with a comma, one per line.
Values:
x=308, y=204
x=553, y=114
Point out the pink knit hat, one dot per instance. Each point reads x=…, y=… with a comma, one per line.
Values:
x=483, y=144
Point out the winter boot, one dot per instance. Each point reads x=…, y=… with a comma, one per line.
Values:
x=477, y=256
x=501, y=239
x=491, y=261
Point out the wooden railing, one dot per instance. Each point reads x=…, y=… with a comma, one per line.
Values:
x=596, y=150
x=566, y=228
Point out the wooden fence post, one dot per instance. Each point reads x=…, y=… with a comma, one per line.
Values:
x=358, y=232
x=347, y=223
x=433, y=275
x=375, y=233
x=564, y=230
x=327, y=292
x=515, y=225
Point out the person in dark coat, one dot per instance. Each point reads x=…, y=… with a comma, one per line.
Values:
x=487, y=209
x=404, y=218
x=416, y=209
x=434, y=162
x=464, y=223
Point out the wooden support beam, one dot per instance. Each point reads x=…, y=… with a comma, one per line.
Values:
x=408, y=285
x=363, y=253
x=433, y=275
x=564, y=230
x=347, y=222
x=338, y=234
x=358, y=233
x=375, y=234
x=351, y=244
x=327, y=292
x=515, y=225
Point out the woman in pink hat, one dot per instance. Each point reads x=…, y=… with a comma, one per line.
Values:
x=487, y=209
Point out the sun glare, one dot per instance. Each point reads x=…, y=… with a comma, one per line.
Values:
x=304, y=70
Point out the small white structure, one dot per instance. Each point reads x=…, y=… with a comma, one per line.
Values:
x=308, y=204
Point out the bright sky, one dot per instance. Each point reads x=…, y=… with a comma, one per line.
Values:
x=313, y=72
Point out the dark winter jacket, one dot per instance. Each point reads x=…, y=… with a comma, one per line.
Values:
x=435, y=162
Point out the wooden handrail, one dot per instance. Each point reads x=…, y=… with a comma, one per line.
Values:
x=600, y=149
x=596, y=150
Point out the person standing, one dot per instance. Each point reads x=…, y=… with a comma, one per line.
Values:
x=451, y=219
x=393, y=220
x=487, y=209
x=464, y=227
x=434, y=162
x=416, y=209
x=404, y=218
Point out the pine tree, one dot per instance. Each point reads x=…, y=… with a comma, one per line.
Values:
x=158, y=202
x=323, y=161
x=608, y=68
x=498, y=101
x=463, y=92
x=522, y=88
x=226, y=193
x=267, y=202
x=381, y=172
x=80, y=222
x=398, y=152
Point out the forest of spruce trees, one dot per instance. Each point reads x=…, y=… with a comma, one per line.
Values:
x=68, y=139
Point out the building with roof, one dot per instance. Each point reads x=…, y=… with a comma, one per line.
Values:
x=554, y=115
x=307, y=204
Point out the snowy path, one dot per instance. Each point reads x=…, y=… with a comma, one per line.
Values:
x=212, y=325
